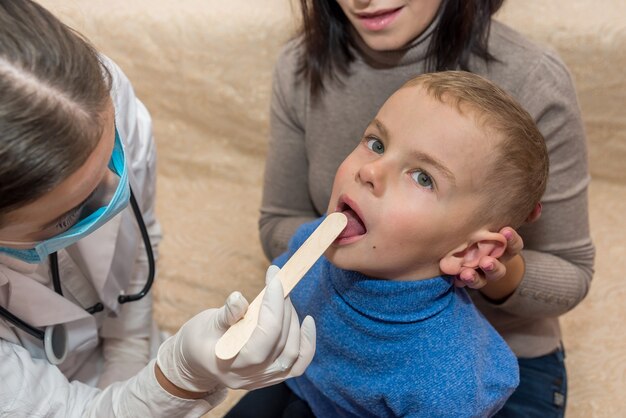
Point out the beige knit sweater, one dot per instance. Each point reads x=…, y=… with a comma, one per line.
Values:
x=310, y=138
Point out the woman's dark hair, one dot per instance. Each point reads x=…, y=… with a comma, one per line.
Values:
x=53, y=90
x=462, y=29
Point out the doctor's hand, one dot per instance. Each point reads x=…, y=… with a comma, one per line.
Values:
x=278, y=349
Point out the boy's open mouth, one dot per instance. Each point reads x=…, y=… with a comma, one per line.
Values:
x=355, y=225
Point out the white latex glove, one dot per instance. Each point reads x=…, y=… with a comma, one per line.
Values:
x=277, y=350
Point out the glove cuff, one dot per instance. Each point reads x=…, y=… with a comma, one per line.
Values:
x=173, y=368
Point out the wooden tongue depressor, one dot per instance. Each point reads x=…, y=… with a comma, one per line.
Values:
x=296, y=267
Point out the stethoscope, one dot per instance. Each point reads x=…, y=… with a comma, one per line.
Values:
x=54, y=337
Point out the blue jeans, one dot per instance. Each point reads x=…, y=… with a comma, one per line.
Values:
x=542, y=391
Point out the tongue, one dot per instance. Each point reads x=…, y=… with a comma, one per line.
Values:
x=355, y=225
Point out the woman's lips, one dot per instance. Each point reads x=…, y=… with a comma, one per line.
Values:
x=377, y=21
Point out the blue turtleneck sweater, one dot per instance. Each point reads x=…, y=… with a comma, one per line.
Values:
x=397, y=348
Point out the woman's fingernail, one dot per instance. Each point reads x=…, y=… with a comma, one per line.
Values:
x=508, y=234
x=488, y=267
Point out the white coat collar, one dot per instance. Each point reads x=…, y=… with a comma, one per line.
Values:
x=94, y=256
x=41, y=306
x=38, y=305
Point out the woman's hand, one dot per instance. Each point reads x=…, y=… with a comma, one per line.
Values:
x=496, y=277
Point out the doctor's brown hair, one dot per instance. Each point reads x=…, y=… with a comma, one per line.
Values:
x=53, y=90
x=518, y=172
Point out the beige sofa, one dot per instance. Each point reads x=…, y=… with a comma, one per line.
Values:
x=203, y=68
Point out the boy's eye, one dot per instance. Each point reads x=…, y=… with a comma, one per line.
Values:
x=376, y=146
x=422, y=179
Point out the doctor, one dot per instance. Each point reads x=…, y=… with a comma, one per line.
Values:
x=78, y=240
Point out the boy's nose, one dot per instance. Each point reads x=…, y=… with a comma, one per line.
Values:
x=372, y=176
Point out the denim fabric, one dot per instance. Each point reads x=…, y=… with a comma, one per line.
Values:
x=276, y=401
x=542, y=391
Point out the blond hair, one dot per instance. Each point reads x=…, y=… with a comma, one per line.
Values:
x=519, y=172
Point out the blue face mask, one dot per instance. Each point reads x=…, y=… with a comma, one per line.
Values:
x=85, y=226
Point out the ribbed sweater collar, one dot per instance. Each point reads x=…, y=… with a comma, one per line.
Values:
x=410, y=54
x=391, y=301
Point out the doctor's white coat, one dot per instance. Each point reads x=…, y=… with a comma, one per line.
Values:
x=98, y=268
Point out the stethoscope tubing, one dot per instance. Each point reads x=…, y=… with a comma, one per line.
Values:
x=151, y=264
x=24, y=326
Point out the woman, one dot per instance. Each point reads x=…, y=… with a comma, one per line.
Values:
x=78, y=241
x=330, y=81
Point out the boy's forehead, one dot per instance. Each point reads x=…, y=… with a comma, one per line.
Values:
x=413, y=99
x=414, y=103
x=418, y=93
x=440, y=129
x=411, y=91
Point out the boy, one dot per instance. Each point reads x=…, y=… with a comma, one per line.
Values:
x=449, y=159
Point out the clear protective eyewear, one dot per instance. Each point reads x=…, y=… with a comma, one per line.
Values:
x=99, y=198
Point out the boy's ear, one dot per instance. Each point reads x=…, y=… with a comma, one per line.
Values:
x=468, y=254
x=535, y=214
